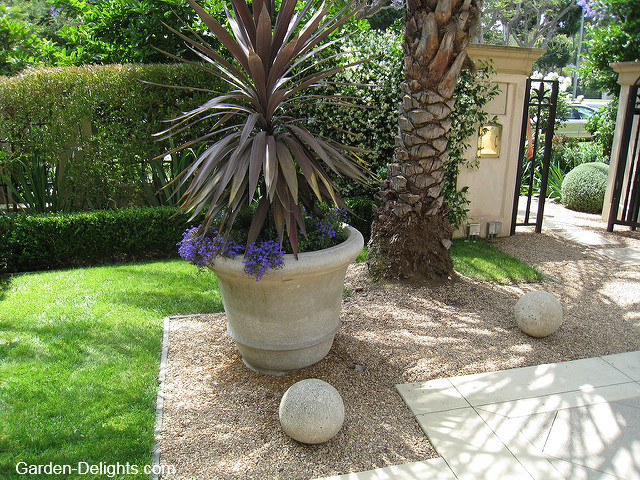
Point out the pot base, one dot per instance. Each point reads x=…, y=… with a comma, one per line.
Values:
x=281, y=362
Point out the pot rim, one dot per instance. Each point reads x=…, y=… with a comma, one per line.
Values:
x=325, y=259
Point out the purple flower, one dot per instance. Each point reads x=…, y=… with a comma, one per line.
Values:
x=261, y=257
x=593, y=9
x=200, y=250
x=323, y=230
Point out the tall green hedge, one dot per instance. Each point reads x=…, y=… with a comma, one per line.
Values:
x=60, y=240
x=98, y=122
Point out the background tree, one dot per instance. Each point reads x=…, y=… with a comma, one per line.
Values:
x=20, y=44
x=125, y=31
x=527, y=23
x=411, y=235
x=614, y=36
x=560, y=52
x=76, y=32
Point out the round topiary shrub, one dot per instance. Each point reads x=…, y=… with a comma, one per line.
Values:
x=583, y=188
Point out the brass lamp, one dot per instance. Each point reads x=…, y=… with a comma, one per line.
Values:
x=489, y=140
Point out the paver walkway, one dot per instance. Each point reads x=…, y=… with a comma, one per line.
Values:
x=625, y=255
x=572, y=420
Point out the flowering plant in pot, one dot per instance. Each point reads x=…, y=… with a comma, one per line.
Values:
x=265, y=175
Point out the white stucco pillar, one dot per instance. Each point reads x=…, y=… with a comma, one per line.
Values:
x=492, y=185
x=628, y=73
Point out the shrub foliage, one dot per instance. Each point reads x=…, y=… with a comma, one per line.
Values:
x=58, y=240
x=584, y=187
x=96, y=122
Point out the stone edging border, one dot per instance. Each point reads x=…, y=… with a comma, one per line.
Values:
x=157, y=429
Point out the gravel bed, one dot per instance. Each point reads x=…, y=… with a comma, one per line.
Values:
x=221, y=419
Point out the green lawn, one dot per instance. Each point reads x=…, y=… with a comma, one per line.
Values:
x=79, y=356
x=478, y=259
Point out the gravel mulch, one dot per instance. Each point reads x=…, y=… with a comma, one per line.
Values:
x=221, y=419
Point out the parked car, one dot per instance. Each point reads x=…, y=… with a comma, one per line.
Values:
x=575, y=126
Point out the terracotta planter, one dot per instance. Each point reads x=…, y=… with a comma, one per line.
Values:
x=289, y=318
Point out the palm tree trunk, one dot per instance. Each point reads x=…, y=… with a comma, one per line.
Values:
x=411, y=235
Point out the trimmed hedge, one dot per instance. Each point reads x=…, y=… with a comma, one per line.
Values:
x=96, y=121
x=584, y=187
x=59, y=240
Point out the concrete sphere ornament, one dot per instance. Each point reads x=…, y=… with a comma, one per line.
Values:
x=311, y=411
x=538, y=313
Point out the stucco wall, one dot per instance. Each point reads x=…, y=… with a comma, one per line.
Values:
x=628, y=74
x=492, y=185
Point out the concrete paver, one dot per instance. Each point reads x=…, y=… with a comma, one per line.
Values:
x=624, y=255
x=628, y=362
x=432, y=396
x=527, y=382
x=604, y=438
x=568, y=420
x=433, y=469
x=585, y=237
x=572, y=399
x=577, y=420
x=577, y=235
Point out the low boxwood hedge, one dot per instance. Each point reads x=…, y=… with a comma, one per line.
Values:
x=47, y=241
x=584, y=187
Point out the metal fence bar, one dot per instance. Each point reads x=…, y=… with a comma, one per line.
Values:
x=521, y=154
x=546, y=161
x=631, y=194
x=544, y=100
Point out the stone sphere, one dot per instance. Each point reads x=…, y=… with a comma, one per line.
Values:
x=311, y=411
x=538, y=313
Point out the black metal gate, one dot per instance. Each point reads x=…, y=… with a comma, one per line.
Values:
x=625, y=198
x=538, y=121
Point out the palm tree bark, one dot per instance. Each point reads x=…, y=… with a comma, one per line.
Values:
x=411, y=235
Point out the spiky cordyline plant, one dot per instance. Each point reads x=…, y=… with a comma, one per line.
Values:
x=265, y=154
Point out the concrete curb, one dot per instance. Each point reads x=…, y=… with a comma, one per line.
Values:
x=157, y=430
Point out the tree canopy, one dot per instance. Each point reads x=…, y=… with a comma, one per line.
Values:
x=614, y=36
x=526, y=23
x=75, y=32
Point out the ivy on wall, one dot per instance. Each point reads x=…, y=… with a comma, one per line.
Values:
x=472, y=93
